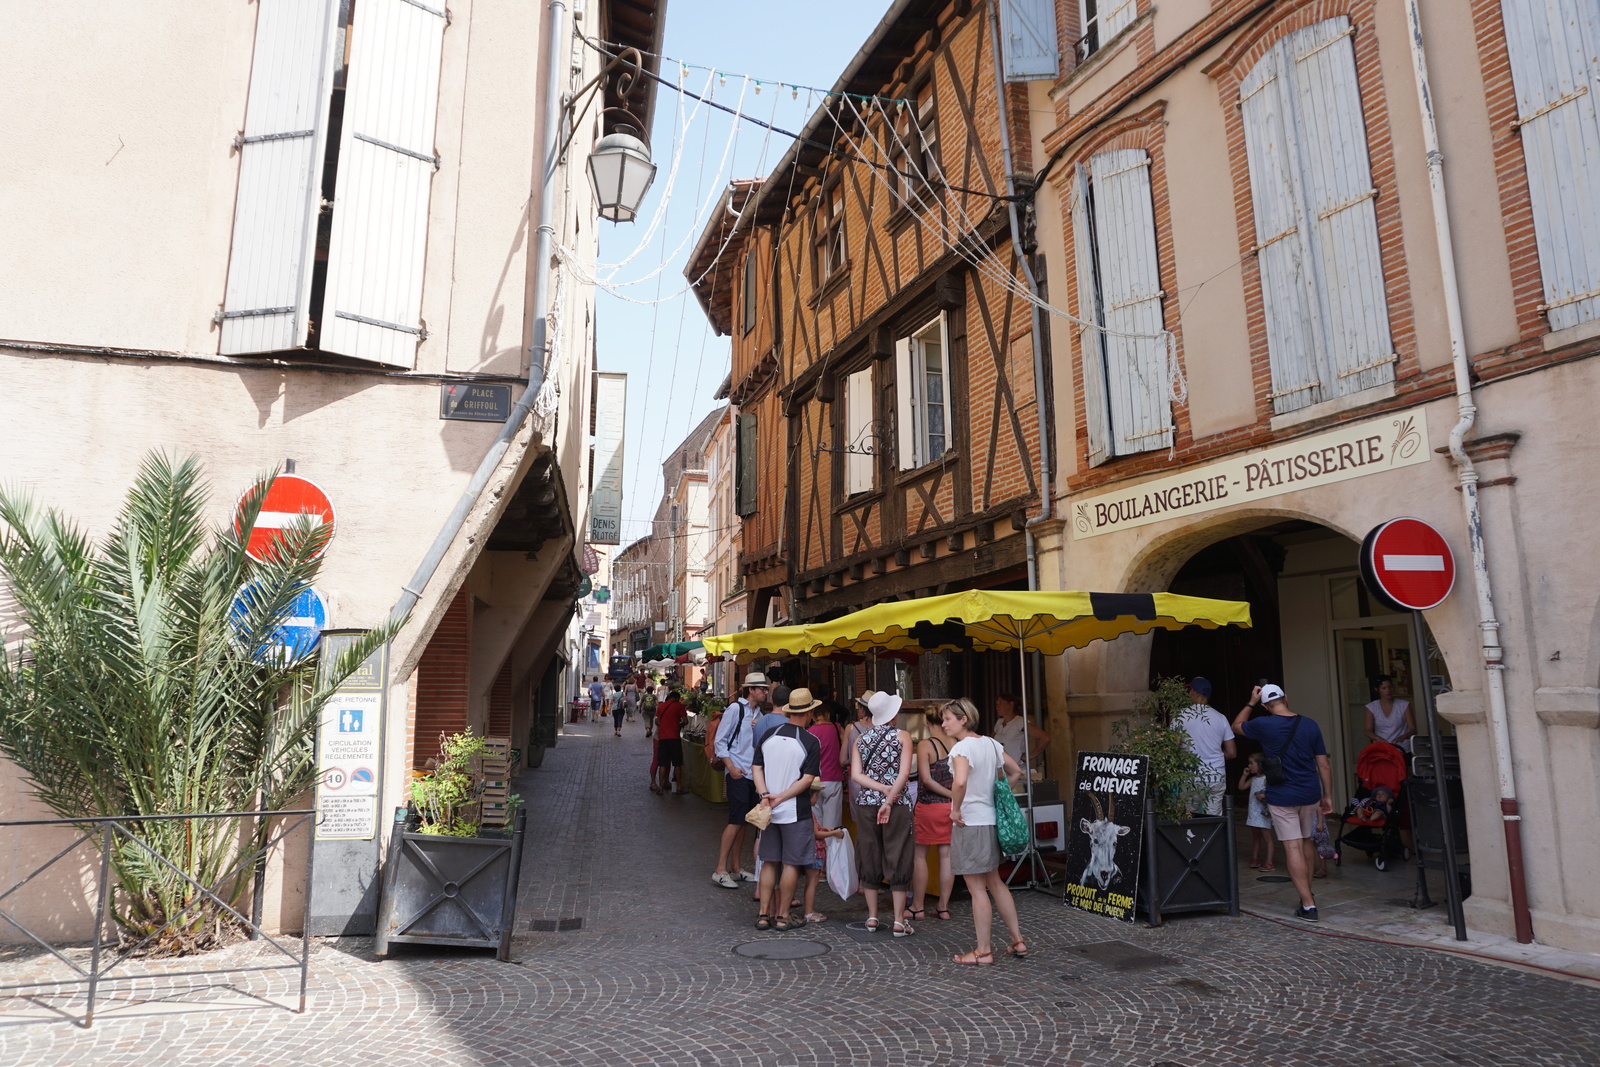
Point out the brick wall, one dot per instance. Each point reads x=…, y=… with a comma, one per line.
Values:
x=442, y=680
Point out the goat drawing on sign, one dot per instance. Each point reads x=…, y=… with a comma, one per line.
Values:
x=1103, y=833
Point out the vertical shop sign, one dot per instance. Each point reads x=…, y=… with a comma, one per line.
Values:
x=1106, y=833
x=610, y=417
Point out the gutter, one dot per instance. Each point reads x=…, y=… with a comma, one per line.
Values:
x=1489, y=626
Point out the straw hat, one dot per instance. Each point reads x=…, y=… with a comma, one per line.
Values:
x=800, y=701
x=884, y=708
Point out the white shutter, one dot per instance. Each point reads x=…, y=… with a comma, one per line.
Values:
x=1028, y=39
x=1341, y=209
x=858, y=432
x=1283, y=239
x=1115, y=15
x=1091, y=367
x=265, y=308
x=373, y=306
x=1553, y=46
x=905, y=397
x=1130, y=295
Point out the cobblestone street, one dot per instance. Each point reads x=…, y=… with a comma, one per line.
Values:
x=650, y=978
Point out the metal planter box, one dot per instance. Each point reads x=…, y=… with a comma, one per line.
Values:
x=440, y=890
x=1189, y=865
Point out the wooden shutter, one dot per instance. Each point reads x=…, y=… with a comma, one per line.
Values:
x=1553, y=45
x=266, y=305
x=1091, y=367
x=748, y=463
x=858, y=466
x=905, y=397
x=373, y=306
x=1283, y=238
x=1115, y=17
x=1028, y=39
x=1340, y=207
x=1130, y=296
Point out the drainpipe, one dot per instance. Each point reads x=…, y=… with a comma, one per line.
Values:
x=411, y=592
x=1489, y=626
x=1033, y=289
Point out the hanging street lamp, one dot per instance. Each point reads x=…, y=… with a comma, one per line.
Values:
x=620, y=171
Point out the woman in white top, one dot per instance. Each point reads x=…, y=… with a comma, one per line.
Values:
x=975, y=763
x=1389, y=718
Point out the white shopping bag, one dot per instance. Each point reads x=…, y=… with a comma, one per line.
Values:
x=841, y=865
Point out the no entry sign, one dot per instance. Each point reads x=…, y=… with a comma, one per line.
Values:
x=290, y=497
x=1408, y=565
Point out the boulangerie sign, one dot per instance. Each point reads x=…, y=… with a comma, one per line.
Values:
x=1362, y=448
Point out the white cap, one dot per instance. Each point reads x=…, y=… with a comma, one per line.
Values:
x=1271, y=693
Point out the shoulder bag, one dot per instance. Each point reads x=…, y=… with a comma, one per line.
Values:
x=1272, y=766
x=1010, y=823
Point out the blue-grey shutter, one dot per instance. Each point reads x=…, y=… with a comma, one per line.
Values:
x=266, y=306
x=373, y=307
x=1028, y=40
x=1340, y=207
x=1554, y=45
x=748, y=463
x=1091, y=342
x=1130, y=298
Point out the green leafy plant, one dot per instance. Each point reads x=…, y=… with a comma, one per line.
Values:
x=445, y=797
x=1176, y=777
x=141, y=682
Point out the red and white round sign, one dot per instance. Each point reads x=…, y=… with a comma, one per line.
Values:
x=1409, y=564
x=290, y=497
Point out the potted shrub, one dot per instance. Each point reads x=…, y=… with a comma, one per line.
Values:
x=1189, y=858
x=449, y=879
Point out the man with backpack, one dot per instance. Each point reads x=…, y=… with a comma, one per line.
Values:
x=1299, y=782
x=735, y=748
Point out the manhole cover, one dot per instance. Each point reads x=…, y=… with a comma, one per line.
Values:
x=1121, y=956
x=1274, y=878
x=784, y=948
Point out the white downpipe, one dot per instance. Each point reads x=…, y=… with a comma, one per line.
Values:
x=1489, y=626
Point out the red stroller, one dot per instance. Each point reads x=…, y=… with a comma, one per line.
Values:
x=1373, y=818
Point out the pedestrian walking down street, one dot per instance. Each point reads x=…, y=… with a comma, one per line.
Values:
x=735, y=749
x=1300, y=787
x=880, y=763
x=597, y=699
x=630, y=698
x=669, y=745
x=619, y=708
x=976, y=763
x=783, y=766
x=1211, y=739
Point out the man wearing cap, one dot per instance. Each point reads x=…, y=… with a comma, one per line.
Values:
x=1211, y=739
x=785, y=763
x=1306, y=788
x=735, y=747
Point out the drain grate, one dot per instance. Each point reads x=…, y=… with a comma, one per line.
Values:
x=550, y=926
x=1121, y=956
x=781, y=948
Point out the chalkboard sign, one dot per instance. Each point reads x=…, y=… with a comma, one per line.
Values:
x=1105, y=834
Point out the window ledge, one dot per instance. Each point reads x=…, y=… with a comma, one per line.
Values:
x=1571, y=335
x=1338, y=405
x=911, y=474
x=836, y=281
x=902, y=214
x=1095, y=59
x=858, y=500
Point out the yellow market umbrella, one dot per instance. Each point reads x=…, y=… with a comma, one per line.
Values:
x=753, y=644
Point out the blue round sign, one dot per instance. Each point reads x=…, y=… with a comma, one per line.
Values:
x=297, y=633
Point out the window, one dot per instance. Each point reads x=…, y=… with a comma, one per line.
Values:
x=921, y=386
x=1557, y=81
x=746, y=462
x=1322, y=285
x=914, y=149
x=860, y=443
x=1101, y=21
x=1125, y=378
x=355, y=120
x=830, y=248
x=748, y=316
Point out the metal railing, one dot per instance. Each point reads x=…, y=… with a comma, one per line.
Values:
x=108, y=830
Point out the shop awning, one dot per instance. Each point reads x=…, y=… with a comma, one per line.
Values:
x=670, y=650
x=752, y=644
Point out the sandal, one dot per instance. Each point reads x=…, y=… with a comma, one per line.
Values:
x=783, y=924
x=763, y=922
x=975, y=958
x=902, y=929
x=1018, y=949
x=1265, y=867
x=816, y=917
x=919, y=914
x=944, y=914
x=873, y=924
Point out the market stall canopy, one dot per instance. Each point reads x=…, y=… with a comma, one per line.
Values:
x=753, y=644
x=669, y=650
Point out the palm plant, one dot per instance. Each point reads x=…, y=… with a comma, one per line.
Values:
x=141, y=682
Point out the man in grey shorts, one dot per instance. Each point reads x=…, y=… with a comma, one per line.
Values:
x=784, y=765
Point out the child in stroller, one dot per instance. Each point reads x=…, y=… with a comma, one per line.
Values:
x=1372, y=820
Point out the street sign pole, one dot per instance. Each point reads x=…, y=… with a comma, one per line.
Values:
x=1447, y=819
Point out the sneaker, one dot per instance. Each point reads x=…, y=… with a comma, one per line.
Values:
x=1308, y=914
x=725, y=880
x=748, y=876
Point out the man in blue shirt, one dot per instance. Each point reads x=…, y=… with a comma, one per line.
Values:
x=1306, y=788
x=735, y=747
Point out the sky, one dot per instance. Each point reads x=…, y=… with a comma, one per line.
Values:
x=650, y=327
